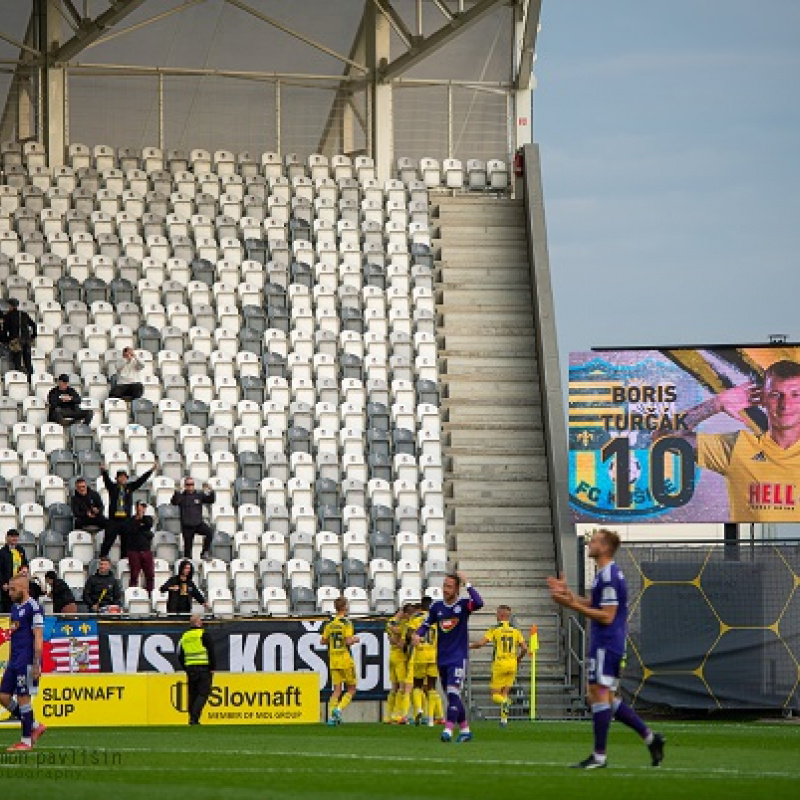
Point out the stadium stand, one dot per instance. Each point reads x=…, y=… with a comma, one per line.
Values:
x=285, y=316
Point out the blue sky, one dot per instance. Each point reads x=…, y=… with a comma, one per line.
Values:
x=670, y=137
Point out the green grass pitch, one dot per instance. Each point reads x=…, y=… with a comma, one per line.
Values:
x=527, y=760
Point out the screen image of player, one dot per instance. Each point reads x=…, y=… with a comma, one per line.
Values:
x=685, y=435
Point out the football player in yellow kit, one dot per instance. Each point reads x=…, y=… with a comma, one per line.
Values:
x=339, y=635
x=427, y=702
x=509, y=650
x=398, y=662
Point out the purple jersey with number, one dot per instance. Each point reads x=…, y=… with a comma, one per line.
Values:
x=609, y=589
x=24, y=619
x=452, y=646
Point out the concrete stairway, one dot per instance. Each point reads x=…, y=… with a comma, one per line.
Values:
x=497, y=488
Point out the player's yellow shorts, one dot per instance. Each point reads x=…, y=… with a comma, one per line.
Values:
x=398, y=666
x=425, y=669
x=344, y=675
x=503, y=676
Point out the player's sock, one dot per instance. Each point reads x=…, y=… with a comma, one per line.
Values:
x=438, y=705
x=601, y=722
x=418, y=697
x=389, y=706
x=345, y=701
x=13, y=709
x=627, y=716
x=404, y=704
x=455, y=708
x=26, y=715
x=433, y=702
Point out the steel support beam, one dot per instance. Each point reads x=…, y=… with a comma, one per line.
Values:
x=17, y=116
x=396, y=21
x=430, y=44
x=531, y=14
x=341, y=117
x=296, y=34
x=92, y=29
x=149, y=21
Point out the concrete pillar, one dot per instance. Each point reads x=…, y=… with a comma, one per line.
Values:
x=54, y=90
x=379, y=51
x=523, y=98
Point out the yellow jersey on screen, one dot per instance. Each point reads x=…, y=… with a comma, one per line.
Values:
x=763, y=478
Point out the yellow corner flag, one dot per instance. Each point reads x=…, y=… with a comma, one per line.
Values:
x=534, y=647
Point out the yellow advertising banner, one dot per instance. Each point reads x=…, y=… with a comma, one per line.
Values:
x=108, y=700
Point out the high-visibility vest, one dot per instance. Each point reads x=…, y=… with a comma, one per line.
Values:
x=194, y=651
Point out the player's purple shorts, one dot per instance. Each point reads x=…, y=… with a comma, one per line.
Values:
x=605, y=668
x=452, y=675
x=18, y=681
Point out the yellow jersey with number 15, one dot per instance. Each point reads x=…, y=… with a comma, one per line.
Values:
x=335, y=634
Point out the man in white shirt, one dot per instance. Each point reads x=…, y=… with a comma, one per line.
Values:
x=128, y=369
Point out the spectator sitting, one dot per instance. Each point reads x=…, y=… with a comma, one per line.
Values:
x=181, y=589
x=60, y=593
x=128, y=368
x=102, y=589
x=64, y=404
x=19, y=335
x=34, y=587
x=87, y=508
x=191, y=504
x=140, y=556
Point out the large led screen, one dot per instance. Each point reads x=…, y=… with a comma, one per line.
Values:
x=685, y=435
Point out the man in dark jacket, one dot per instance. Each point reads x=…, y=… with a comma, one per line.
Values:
x=60, y=593
x=19, y=336
x=12, y=559
x=87, y=507
x=197, y=657
x=120, y=507
x=181, y=589
x=102, y=589
x=140, y=556
x=191, y=504
x=64, y=404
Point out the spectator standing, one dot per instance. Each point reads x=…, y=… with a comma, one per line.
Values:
x=140, y=556
x=128, y=369
x=120, y=507
x=196, y=655
x=181, y=589
x=87, y=508
x=64, y=404
x=60, y=593
x=191, y=504
x=12, y=559
x=19, y=335
x=102, y=589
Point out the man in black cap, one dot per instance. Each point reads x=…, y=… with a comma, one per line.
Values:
x=64, y=404
x=19, y=335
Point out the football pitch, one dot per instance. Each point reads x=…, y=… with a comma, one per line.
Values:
x=527, y=760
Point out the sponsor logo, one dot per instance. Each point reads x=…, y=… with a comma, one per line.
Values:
x=448, y=624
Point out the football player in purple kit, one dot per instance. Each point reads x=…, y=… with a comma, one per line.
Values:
x=20, y=680
x=450, y=615
x=607, y=611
